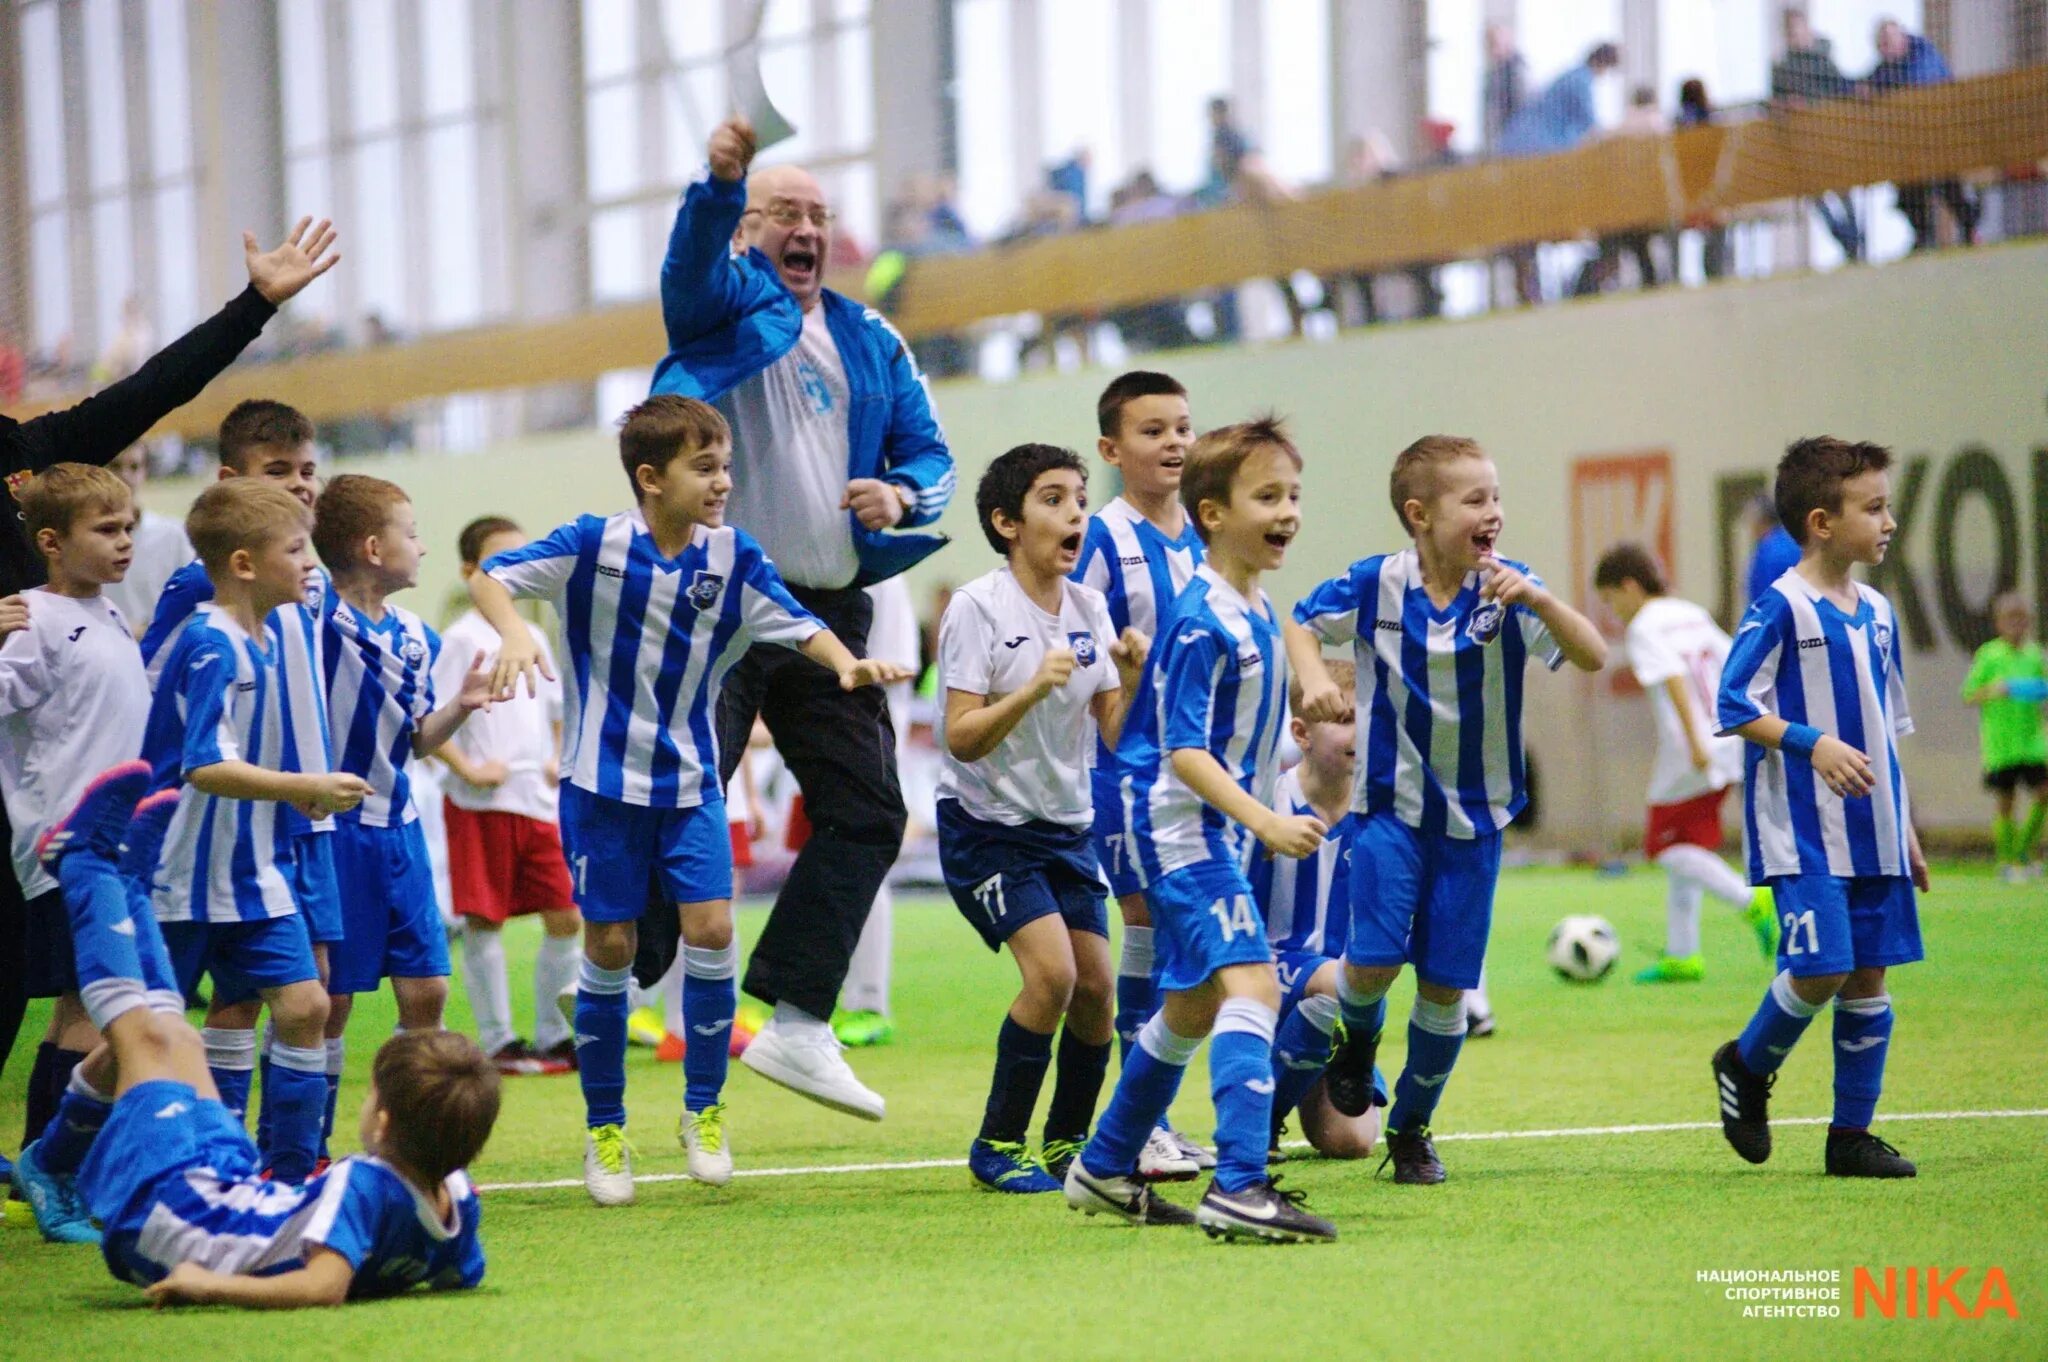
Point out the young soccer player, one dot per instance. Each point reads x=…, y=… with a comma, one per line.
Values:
x=1445, y=630
x=1197, y=764
x=1306, y=905
x=2008, y=683
x=1140, y=552
x=381, y=713
x=159, y=548
x=73, y=700
x=657, y=604
x=223, y=891
x=170, y=1171
x=504, y=849
x=1816, y=686
x=1676, y=652
x=1032, y=668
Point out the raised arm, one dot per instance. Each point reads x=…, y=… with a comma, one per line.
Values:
x=699, y=289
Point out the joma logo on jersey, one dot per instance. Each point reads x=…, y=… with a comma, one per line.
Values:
x=1083, y=644
x=1132, y=560
x=605, y=570
x=704, y=589
x=1484, y=625
x=245, y=686
x=1806, y=643
x=1387, y=626
x=1931, y=1289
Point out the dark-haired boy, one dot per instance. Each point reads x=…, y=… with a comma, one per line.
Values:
x=1030, y=666
x=1676, y=652
x=1816, y=684
x=1140, y=552
x=657, y=604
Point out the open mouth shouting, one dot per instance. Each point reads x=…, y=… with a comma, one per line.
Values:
x=1278, y=538
x=1070, y=548
x=800, y=264
x=1483, y=542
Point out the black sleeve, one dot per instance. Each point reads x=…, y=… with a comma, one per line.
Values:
x=116, y=417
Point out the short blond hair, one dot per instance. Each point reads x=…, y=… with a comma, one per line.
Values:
x=241, y=513
x=1417, y=469
x=1212, y=464
x=1342, y=671
x=59, y=496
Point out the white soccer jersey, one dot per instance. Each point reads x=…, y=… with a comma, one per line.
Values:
x=991, y=642
x=73, y=701
x=1669, y=639
x=519, y=732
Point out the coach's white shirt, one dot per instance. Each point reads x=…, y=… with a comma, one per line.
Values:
x=1673, y=638
x=74, y=700
x=159, y=548
x=991, y=643
x=519, y=732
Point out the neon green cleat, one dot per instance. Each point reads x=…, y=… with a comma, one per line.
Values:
x=857, y=1030
x=1674, y=969
x=645, y=1027
x=1762, y=917
x=1058, y=1156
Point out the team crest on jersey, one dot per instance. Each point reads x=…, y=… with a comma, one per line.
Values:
x=414, y=651
x=1083, y=644
x=316, y=591
x=704, y=588
x=1881, y=635
x=1484, y=625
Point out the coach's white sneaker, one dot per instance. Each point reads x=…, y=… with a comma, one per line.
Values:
x=608, y=1166
x=703, y=1137
x=805, y=1059
x=1163, y=1160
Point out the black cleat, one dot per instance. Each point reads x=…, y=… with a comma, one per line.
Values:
x=1413, y=1155
x=1745, y=1104
x=1860, y=1154
x=1348, y=1080
x=1261, y=1211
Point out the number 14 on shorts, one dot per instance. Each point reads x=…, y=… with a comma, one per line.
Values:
x=1234, y=916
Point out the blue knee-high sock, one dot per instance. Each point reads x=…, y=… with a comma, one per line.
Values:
x=80, y=1114
x=1144, y=1090
x=1436, y=1032
x=103, y=941
x=1863, y=1033
x=1365, y=1014
x=601, y=1042
x=337, y=1060
x=1241, y=1082
x=231, y=1057
x=1780, y=1020
x=1136, y=997
x=298, y=1078
x=1301, y=1051
x=709, y=1001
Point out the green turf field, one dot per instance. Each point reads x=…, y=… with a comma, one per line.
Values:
x=1571, y=1244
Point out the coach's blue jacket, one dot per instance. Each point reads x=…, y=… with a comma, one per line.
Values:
x=730, y=316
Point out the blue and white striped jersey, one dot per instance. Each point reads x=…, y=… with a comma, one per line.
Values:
x=1217, y=680
x=1801, y=657
x=380, y=684
x=1137, y=568
x=647, y=642
x=217, y=699
x=1307, y=903
x=1439, y=693
x=295, y=631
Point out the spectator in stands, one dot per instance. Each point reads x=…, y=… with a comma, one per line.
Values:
x=1506, y=85
x=1907, y=59
x=1643, y=119
x=1228, y=147
x=1559, y=119
x=1161, y=325
x=1695, y=110
x=1070, y=177
x=1807, y=74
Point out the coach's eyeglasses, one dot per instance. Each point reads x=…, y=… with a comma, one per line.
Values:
x=786, y=214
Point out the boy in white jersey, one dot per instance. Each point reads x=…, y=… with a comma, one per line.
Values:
x=160, y=546
x=1445, y=630
x=1032, y=669
x=73, y=700
x=1140, y=552
x=657, y=604
x=504, y=849
x=381, y=713
x=1197, y=760
x=1816, y=685
x=1676, y=652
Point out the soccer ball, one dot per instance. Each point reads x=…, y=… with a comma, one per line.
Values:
x=1583, y=948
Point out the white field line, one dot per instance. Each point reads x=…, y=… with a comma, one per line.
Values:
x=1571, y=1133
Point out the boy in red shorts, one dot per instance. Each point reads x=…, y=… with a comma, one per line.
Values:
x=504, y=848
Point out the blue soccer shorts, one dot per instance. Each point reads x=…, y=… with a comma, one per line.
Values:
x=159, y=1132
x=244, y=958
x=313, y=887
x=1203, y=920
x=391, y=918
x=613, y=848
x=1832, y=924
x=1114, y=853
x=1003, y=876
x=1428, y=901
x=1297, y=969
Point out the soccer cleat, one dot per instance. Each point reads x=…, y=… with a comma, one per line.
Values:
x=1674, y=969
x=859, y=1030
x=562, y=1052
x=1860, y=1154
x=516, y=1058
x=808, y=1064
x=1762, y=917
x=1128, y=1199
x=144, y=839
x=1413, y=1155
x=1478, y=1026
x=99, y=818
x=702, y=1134
x=54, y=1200
x=1007, y=1166
x=671, y=1050
x=1205, y=1161
x=1163, y=1160
x=1261, y=1211
x=1745, y=1104
x=644, y=1027
x=608, y=1166
x=1058, y=1155
x=1349, y=1081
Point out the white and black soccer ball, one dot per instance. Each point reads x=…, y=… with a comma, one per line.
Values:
x=1583, y=948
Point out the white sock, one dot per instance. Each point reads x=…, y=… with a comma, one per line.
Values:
x=867, y=975
x=671, y=987
x=794, y=1020
x=1135, y=959
x=554, y=969
x=1682, y=915
x=483, y=978
x=1713, y=874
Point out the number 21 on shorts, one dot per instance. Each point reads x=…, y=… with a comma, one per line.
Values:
x=1793, y=922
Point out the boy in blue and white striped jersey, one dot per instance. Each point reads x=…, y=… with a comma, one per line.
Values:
x=1445, y=630
x=656, y=605
x=1816, y=685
